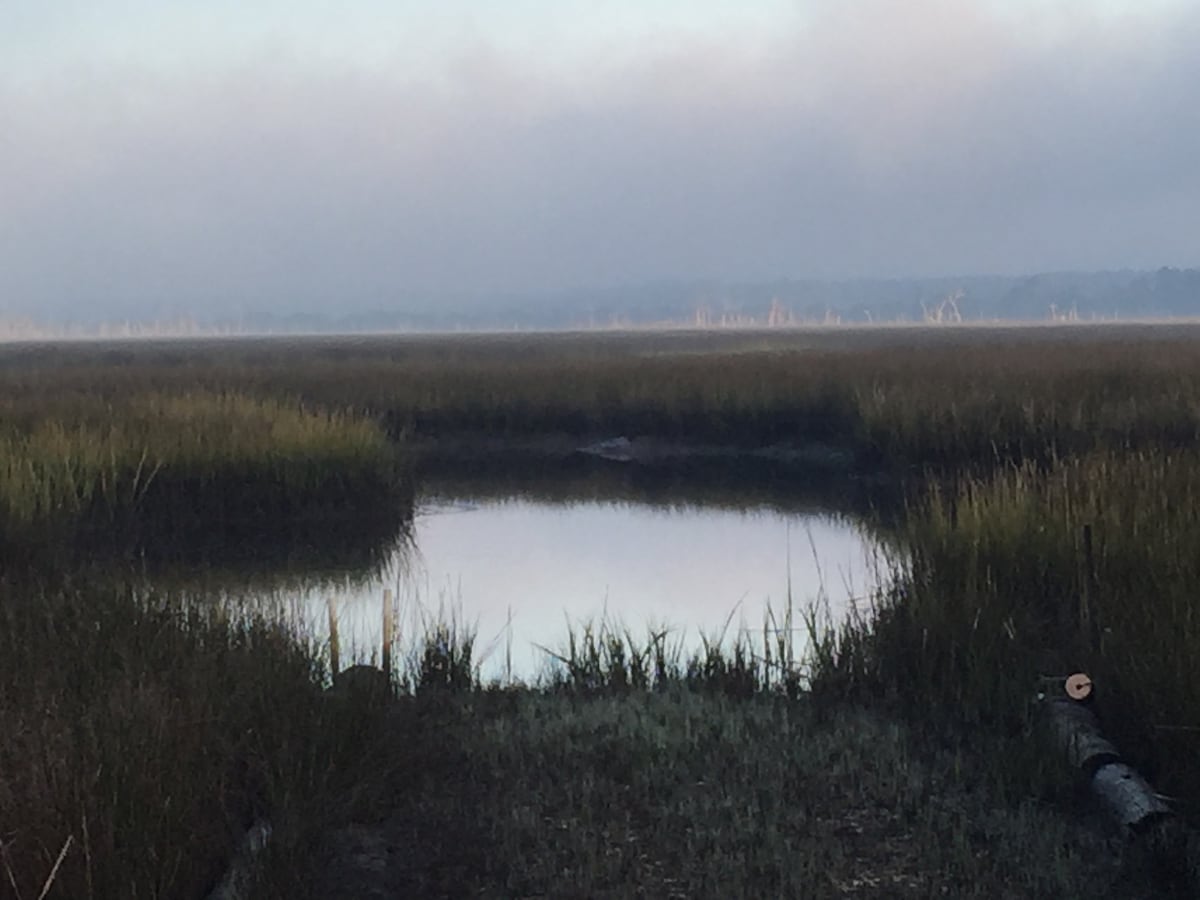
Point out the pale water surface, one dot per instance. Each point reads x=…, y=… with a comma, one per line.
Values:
x=518, y=570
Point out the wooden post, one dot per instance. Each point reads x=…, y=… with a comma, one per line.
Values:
x=508, y=648
x=334, y=661
x=389, y=631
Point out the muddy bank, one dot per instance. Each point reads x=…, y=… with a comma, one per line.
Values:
x=635, y=449
x=565, y=468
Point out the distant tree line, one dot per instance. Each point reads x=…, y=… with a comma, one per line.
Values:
x=1063, y=296
x=1083, y=296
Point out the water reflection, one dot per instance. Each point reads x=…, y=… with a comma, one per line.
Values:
x=245, y=559
x=520, y=569
x=518, y=551
x=736, y=482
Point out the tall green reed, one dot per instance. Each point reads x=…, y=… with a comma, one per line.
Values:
x=1038, y=570
x=145, y=733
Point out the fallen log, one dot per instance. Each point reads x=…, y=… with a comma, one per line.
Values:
x=1127, y=796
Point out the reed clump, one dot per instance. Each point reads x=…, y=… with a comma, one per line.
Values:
x=604, y=657
x=145, y=734
x=157, y=462
x=1085, y=564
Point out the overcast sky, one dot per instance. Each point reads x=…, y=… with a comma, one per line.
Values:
x=308, y=154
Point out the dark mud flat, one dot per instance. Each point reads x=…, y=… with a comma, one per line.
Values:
x=557, y=468
x=689, y=795
x=636, y=449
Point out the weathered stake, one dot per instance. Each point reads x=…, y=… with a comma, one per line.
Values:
x=389, y=631
x=334, y=661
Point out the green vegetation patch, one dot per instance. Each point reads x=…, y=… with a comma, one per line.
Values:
x=142, y=736
x=1059, y=532
x=171, y=463
x=143, y=733
x=895, y=397
x=1088, y=564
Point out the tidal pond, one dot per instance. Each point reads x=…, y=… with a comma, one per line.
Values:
x=520, y=563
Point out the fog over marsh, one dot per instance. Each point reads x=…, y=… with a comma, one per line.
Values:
x=232, y=162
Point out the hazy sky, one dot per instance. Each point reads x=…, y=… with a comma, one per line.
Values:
x=302, y=154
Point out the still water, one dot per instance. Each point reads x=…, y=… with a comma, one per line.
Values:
x=518, y=569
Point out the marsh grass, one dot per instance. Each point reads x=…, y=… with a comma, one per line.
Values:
x=687, y=783
x=898, y=397
x=693, y=793
x=113, y=458
x=443, y=661
x=704, y=775
x=604, y=656
x=1059, y=532
x=1085, y=564
x=611, y=778
x=176, y=467
x=145, y=734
